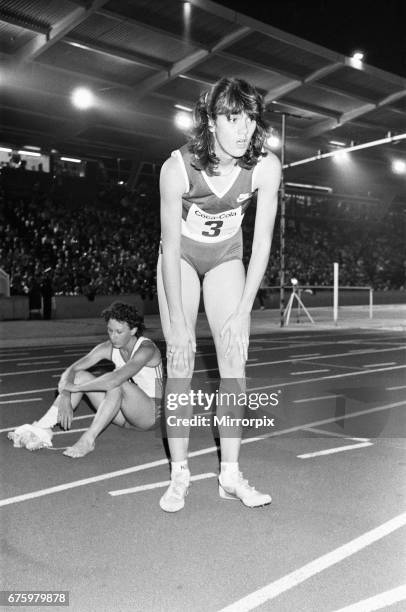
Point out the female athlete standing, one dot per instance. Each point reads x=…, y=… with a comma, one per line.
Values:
x=206, y=187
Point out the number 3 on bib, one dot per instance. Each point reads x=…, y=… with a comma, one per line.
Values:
x=215, y=228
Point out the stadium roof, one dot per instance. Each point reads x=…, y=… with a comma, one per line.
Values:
x=141, y=57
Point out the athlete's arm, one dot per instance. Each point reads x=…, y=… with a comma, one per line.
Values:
x=236, y=328
x=172, y=186
x=117, y=377
x=65, y=410
x=99, y=352
x=267, y=179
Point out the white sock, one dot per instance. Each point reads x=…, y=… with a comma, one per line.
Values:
x=49, y=419
x=229, y=468
x=179, y=466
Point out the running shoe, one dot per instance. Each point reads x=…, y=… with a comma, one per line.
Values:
x=236, y=487
x=31, y=437
x=173, y=499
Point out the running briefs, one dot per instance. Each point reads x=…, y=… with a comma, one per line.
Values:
x=204, y=257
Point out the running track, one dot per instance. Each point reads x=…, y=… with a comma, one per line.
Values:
x=332, y=540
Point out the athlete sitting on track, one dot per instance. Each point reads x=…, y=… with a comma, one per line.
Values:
x=206, y=187
x=128, y=396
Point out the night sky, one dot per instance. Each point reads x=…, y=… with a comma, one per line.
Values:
x=378, y=28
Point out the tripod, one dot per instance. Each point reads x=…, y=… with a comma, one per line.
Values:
x=295, y=296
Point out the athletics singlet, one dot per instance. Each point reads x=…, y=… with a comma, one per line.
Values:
x=149, y=378
x=209, y=215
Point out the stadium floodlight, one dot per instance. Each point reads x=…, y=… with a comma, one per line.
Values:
x=29, y=153
x=399, y=166
x=341, y=157
x=358, y=56
x=82, y=98
x=73, y=160
x=337, y=143
x=273, y=141
x=183, y=107
x=183, y=120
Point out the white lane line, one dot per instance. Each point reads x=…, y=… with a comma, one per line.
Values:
x=377, y=602
x=379, y=365
x=31, y=372
x=29, y=359
x=27, y=392
x=69, y=431
x=257, y=349
x=273, y=589
x=86, y=416
x=158, y=485
x=20, y=357
x=332, y=451
x=304, y=355
x=204, y=451
x=316, y=399
x=262, y=363
x=330, y=377
x=308, y=372
x=335, y=434
x=335, y=365
x=39, y=363
x=21, y=401
x=395, y=388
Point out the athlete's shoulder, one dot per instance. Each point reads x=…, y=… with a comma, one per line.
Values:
x=268, y=169
x=146, y=351
x=103, y=350
x=174, y=176
x=269, y=162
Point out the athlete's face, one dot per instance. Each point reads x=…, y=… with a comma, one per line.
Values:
x=120, y=333
x=232, y=135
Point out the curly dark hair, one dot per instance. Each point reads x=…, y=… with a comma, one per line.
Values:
x=125, y=313
x=229, y=96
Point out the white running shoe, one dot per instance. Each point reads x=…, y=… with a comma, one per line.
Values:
x=31, y=437
x=173, y=499
x=236, y=487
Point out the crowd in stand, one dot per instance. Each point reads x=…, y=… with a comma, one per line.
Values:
x=92, y=250
x=111, y=248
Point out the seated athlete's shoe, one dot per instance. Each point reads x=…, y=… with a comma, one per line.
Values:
x=31, y=437
x=173, y=499
x=236, y=487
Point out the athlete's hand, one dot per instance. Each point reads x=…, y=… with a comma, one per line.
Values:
x=236, y=333
x=71, y=387
x=65, y=412
x=180, y=347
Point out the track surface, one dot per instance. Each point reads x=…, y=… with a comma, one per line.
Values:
x=333, y=536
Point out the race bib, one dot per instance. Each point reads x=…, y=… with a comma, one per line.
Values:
x=205, y=227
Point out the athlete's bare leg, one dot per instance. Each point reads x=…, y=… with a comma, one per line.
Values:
x=124, y=405
x=179, y=379
x=107, y=406
x=222, y=289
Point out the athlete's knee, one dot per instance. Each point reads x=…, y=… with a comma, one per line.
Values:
x=126, y=389
x=116, y=393
x=181, y=370
x=231, y=365
x=83, y=376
